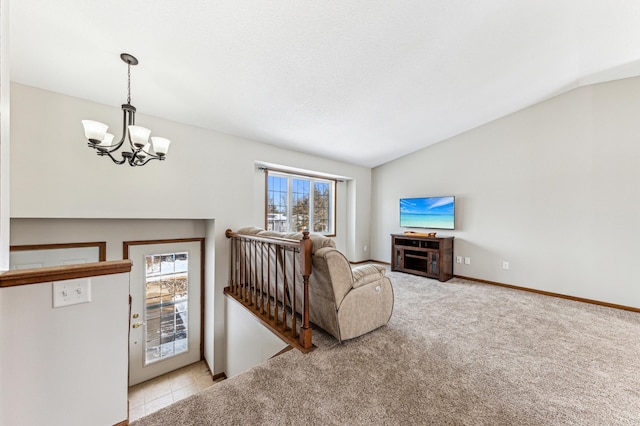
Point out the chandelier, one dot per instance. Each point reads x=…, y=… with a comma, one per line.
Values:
x=138, y=137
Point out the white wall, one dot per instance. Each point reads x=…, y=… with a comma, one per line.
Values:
x=5, y=89
x=552, y=189
x=207, y=175
x=245, y=331
x=214, y=333
x=5, y=97
x=65, y=365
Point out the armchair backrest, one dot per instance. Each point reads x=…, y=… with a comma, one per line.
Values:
x=333, y=267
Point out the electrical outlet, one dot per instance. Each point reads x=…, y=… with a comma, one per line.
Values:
x=467, y=261
x=505, y=264
x=365, y=247
x=458, y=259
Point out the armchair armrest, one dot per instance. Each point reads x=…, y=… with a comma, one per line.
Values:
x=367, y=274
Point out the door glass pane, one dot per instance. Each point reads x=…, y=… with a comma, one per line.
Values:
x=166, y=312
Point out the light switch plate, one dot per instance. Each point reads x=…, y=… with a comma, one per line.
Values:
x=71, y=292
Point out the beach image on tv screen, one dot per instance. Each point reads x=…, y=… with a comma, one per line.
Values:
x=431, y=212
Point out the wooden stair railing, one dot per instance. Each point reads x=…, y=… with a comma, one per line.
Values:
x=258, y=279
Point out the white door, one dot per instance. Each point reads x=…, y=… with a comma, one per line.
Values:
x=165, y=308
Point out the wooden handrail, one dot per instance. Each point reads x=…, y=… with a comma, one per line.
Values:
x=280, y=241
x=60, y=273
x=258, y=279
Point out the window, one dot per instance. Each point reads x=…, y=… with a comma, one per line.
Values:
x=296, y=203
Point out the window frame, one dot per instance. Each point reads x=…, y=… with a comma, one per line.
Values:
x=312, y=179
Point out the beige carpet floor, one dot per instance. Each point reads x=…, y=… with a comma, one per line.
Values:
x=454, y=353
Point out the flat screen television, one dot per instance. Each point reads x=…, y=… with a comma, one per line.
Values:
x=428, y=212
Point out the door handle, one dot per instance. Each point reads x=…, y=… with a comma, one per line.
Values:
x=138, y=324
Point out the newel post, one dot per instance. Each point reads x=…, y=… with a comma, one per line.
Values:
x=233, y=284
x=305, y=267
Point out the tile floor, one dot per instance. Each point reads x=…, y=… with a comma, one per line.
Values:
x=152, y=395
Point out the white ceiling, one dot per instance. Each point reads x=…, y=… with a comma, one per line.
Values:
x=362, y=81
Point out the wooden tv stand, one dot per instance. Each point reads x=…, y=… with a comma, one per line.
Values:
x=422, y=255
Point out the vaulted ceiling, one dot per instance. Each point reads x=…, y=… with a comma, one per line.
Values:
x=362, y=81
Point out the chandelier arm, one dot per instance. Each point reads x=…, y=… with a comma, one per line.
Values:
x=144, y=159
x=135, y=159
x=148, y=154
x=113, y=148
x=103, y=153
x=153, y=157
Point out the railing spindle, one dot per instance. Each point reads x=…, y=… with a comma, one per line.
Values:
x=242, y=267
x=284, y=287
x=254, y=288
x=245, y=281
x=234, y=265
x=294, y=329
x=269, y=279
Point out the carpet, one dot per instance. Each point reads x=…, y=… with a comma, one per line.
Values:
x=454, y=353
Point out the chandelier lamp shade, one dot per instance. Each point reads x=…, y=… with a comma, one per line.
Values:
x=142, y=151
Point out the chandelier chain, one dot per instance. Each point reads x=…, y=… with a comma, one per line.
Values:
x=128, y=83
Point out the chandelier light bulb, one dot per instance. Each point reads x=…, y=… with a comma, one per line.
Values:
x=139, y=135
x=160, y=145
x=95, y=131
x=107, y=141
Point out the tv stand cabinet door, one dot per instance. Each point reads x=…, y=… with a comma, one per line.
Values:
x=433, y=265
x=397, y=258
x=446, y=260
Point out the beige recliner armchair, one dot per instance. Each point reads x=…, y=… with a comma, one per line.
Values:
x=344, y=301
